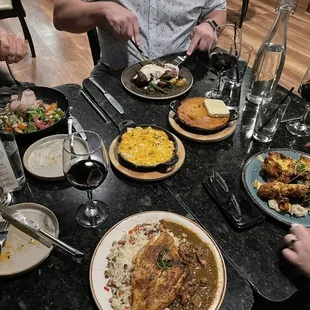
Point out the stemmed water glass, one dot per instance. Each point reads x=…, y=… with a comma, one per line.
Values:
x=85, y=165
x=224, y=52
x=299, y=127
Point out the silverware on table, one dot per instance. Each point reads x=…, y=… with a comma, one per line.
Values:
x=74, y=123
x=17, y=219
x=144, y=57
x=94, y=106
x=108, y=96
x=19, y=86
x=4, y=228
x=179, y=60
x=223, y=194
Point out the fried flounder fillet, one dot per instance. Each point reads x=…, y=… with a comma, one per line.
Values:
x=155, y=288
x=279, y=167
x=278, y=190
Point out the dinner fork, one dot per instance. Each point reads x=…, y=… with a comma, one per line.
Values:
x=19, y=86
x=180, y=59
x=4, y=228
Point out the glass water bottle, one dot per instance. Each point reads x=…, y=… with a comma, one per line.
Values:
x=270, y=58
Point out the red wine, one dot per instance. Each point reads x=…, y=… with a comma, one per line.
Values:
x=305, y=91
x=221, y=61
x=87, y=174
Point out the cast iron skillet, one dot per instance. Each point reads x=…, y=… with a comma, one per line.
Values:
x=174, y=107
x=160, y=167
x=48, y=96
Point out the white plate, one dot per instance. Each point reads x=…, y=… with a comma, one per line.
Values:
x=43, y=159
x=99, y=261
x=22, y=252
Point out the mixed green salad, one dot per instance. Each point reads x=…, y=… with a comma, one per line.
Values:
x=31, y=120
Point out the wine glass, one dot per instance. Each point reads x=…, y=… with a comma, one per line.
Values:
x=85, y=165
x=299, y=127
x=224, y=52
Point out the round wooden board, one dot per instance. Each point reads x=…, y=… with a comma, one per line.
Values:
x=146, y=176
x=215, y=137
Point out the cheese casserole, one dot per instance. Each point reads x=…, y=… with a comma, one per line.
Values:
x=146, y=146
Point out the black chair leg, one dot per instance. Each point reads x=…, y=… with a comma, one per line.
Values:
x=244, y=10
x=27, y=35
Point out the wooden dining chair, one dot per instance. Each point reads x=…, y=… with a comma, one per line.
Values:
x=17, y=10
x=94, y=44
x=244, y=10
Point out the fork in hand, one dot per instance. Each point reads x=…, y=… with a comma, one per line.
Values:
x=180, y=59
x=4, y=228
x=19, y=86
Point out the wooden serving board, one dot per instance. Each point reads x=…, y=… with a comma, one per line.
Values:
x=211, y=138
x=146, y=176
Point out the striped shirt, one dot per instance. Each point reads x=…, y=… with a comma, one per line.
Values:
x=165, y=27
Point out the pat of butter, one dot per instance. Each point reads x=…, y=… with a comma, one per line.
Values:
x=216, y=108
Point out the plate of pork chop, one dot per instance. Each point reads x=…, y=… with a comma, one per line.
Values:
x=157, y=261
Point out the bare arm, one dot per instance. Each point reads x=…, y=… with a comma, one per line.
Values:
x=78, y=16
x=202, y=34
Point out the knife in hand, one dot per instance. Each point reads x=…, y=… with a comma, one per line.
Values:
x=18, y=219
x=108, y=96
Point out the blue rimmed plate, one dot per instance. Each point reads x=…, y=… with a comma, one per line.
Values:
x=251, y=172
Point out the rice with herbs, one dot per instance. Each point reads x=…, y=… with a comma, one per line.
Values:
x=121, y=262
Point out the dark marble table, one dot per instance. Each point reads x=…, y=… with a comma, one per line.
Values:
x=61, y=281
x=254, y=252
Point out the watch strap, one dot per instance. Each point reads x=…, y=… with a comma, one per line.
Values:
x=212, y=23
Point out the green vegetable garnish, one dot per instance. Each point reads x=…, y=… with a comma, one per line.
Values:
x=161, y=262
x=300, y=167
x=31, y=127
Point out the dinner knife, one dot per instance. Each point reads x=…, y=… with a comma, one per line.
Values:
x=108, y=96
x=144, y=57
x=18, y=219
x=78, y=127
x=94, y=106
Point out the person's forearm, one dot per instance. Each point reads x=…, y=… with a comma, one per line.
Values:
x=78, y=16
x=219, y=16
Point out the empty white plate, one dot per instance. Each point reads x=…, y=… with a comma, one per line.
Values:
x=43, y=159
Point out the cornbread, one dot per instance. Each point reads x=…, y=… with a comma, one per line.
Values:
x=194, y=113
x=216, y=108
x=146, y=146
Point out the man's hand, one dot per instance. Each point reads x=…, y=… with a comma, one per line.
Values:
x=202, y=37
x=123, y=22
x=12, y=48
x=298, y=251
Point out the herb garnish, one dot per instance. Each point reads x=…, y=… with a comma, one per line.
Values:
x=161, y=262
x=300, y=167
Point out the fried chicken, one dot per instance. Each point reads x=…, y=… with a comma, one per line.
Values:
x=279, y=167
x=278, y=190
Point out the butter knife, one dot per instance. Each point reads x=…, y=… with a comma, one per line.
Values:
x=78, y=127
x=94, y=106
x=108, y=96
x=18, y=219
